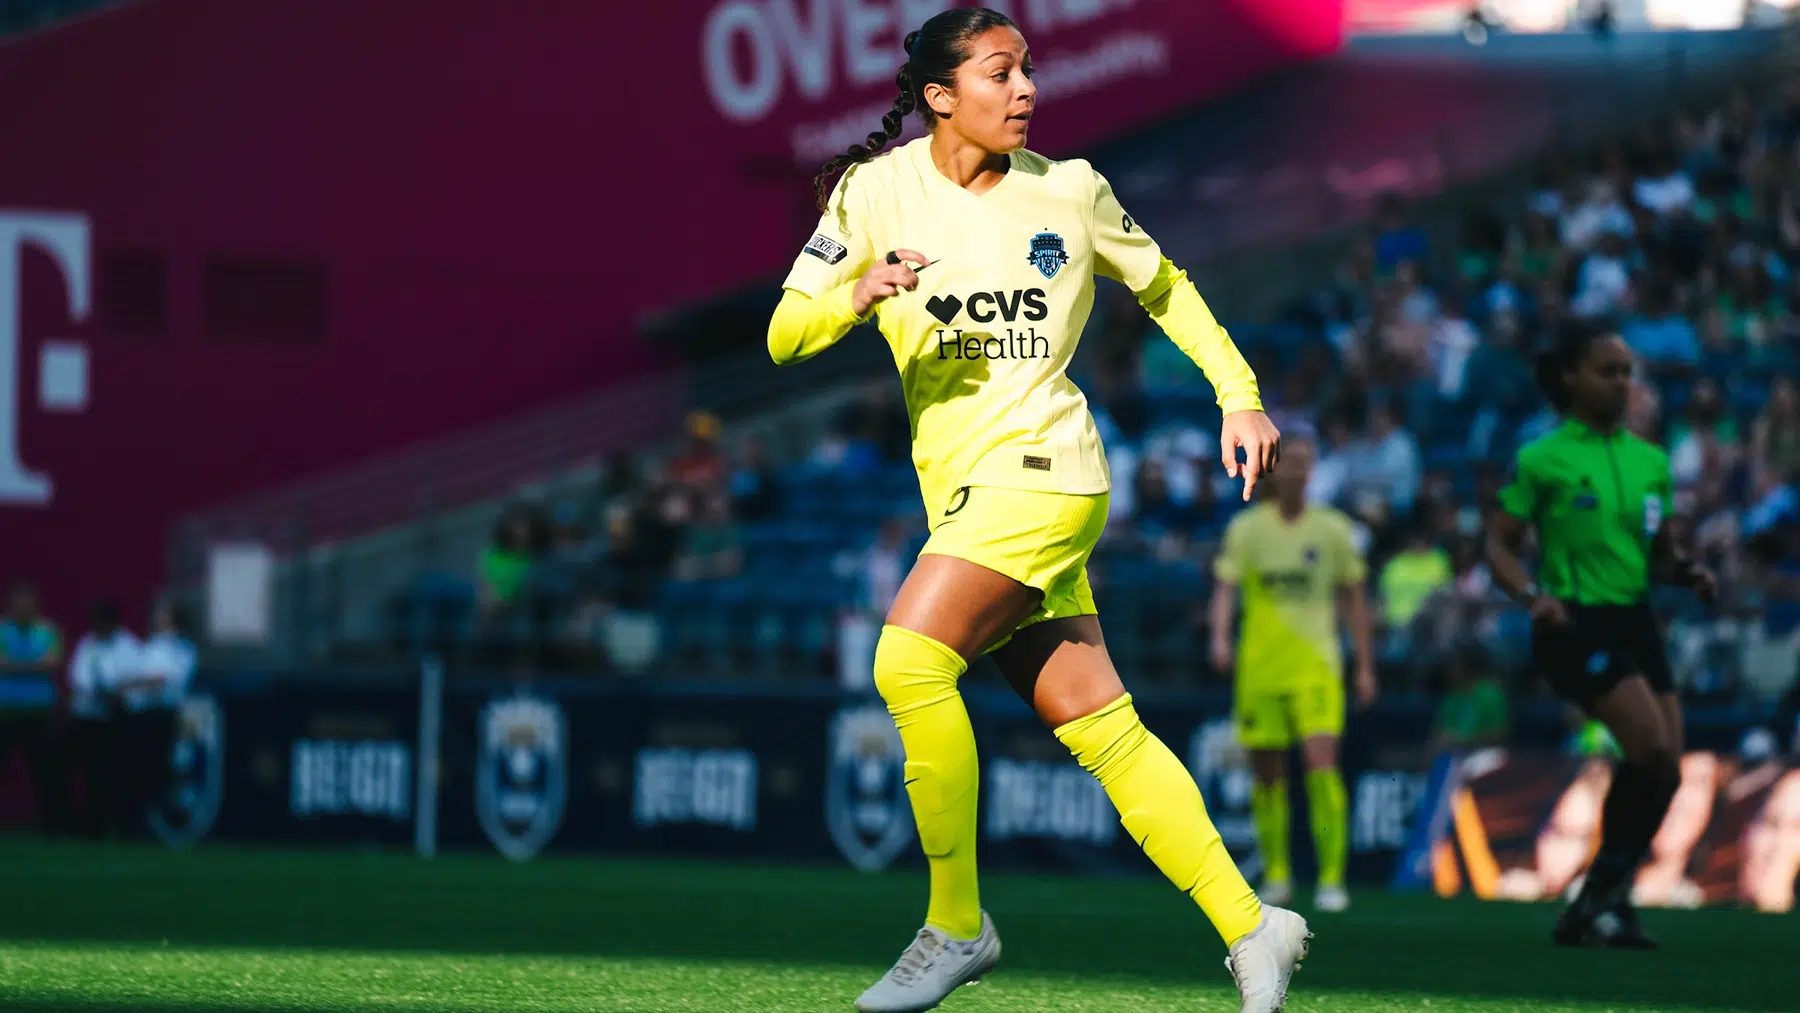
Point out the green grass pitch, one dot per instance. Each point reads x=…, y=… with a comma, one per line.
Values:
x=121, y=928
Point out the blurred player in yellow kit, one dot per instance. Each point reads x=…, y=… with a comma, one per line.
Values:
x=1292, y=563
x=978, y=258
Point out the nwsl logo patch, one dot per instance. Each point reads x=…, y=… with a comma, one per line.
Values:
x=825, y=248
x=1047, y=253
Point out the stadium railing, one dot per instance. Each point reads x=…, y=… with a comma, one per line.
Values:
x=345, y=540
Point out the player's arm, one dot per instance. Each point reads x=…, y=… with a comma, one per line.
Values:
x=1223, y=614
x=1125, y=253
x=1353, y=599
x=1520, y=501
x=828, y=289
x=802, y=326
x=1228, y=569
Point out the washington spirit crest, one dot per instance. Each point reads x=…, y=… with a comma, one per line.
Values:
x=197, y=775
x=866, y=806
x=521, y=774
x=1047, y=253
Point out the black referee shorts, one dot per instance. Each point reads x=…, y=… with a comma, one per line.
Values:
x=1602, y=646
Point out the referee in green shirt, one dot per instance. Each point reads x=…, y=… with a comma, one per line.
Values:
x=1598, y=497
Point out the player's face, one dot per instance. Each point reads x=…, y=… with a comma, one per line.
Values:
x=1295, y=467
x=994, y=97
x=1602, y=381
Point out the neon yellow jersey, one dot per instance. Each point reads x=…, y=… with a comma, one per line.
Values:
x=983, y=345
x=1289, y=574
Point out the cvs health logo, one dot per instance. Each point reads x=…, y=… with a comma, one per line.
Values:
x=62, y=364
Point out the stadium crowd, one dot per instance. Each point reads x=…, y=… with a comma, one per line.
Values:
x=1411, y=369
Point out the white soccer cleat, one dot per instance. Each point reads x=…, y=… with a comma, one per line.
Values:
x=931, y=968
x=1332, y=899
x=1262, y=962
x=1278, y=892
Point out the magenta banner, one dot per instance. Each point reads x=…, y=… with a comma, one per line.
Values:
x=246, y=242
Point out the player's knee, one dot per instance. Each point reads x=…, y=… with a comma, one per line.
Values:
x=1321, y=752
x=1106, y=740
x=912, y=670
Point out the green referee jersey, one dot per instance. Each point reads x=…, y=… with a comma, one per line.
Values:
x=1597, y=501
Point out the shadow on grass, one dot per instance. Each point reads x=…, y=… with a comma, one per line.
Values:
x=1078, y=928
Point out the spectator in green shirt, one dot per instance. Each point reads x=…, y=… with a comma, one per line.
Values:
x=1409, y=578
x=1473, y=710
x=518, y=541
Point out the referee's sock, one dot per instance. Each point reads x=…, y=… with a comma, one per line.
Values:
x=1633, y=810
x=917, y=678
x=1161, y=808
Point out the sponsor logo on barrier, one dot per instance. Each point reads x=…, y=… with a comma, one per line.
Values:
x=521, y=774
x=866, y=805
x=710, y=787
x=1382, y=808
x=61, y=369
x=332, y=777
x=1220, y=769
x=1055, y=801
x=197, y=775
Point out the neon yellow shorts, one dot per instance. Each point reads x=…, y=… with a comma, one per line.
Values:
x=1278, y=717
x=1040, y=539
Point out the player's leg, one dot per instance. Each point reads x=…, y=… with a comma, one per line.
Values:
x=1328, y=811
x=948, y=611
x=1061, y=668
x=1269, y=811
x=1319, y=717
x=1264, y=726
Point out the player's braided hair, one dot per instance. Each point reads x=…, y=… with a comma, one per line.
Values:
x=932, y=55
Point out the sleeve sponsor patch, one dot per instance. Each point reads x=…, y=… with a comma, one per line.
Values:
x=825, y=248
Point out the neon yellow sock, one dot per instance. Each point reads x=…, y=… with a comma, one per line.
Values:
x=917, y=677
x=1162, y=810
x=1329, y=807
x=1269, y=808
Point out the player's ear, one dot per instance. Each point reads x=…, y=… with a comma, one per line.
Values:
x=941, y=99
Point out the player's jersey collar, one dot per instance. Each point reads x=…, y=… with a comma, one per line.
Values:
x=936, y=180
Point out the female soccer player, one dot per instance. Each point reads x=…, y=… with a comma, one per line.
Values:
x=1294, y=562
x=978, y=258
x=1597, y=496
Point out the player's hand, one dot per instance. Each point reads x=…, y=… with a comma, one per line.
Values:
x=1367, y=689
x=1548, y=611
x=1701, y=581
x=885, y=280
x=1221, y=657
x=1261, y=442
